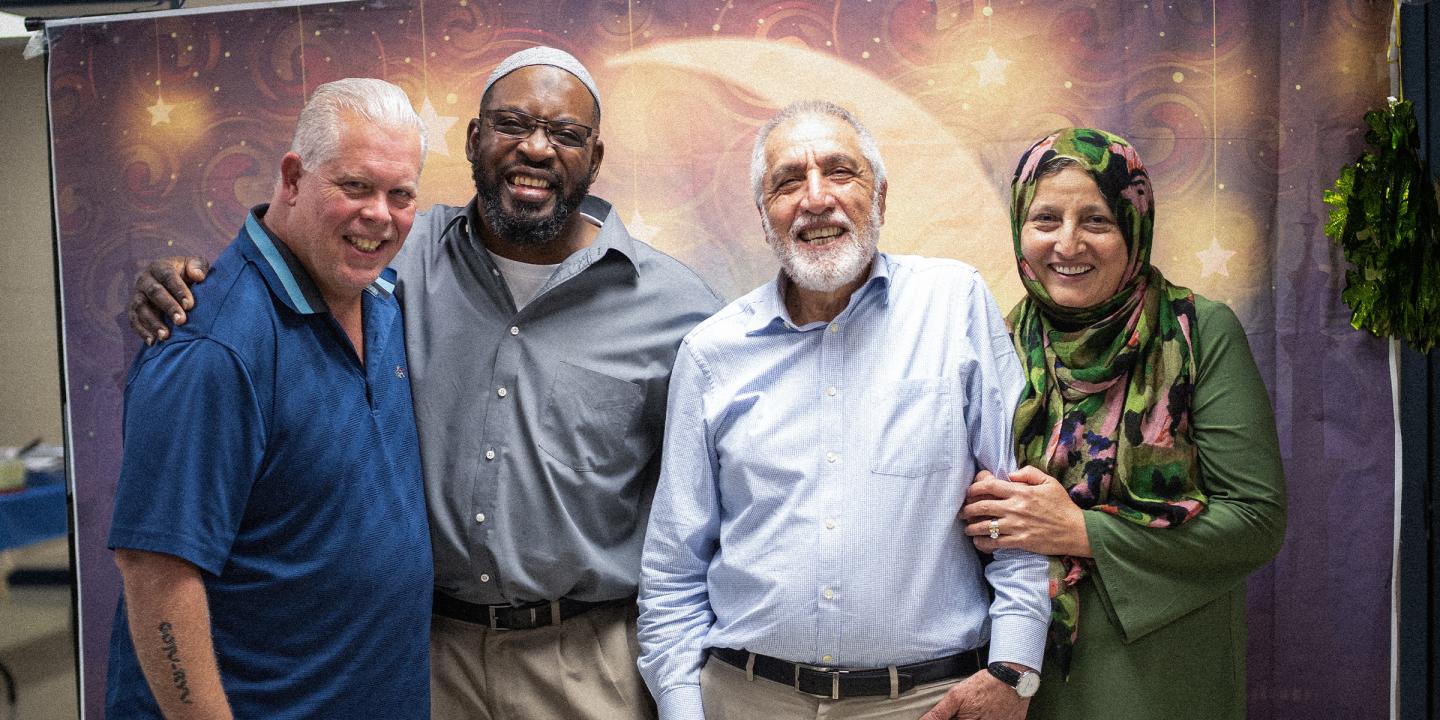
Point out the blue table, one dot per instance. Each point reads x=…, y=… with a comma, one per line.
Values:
x=31, y=515
x=28, y=516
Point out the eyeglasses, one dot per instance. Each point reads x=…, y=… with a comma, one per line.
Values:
x=516, y=124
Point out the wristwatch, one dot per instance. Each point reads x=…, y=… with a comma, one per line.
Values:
x=1025, y=683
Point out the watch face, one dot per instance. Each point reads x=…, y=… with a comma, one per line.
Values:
x=1028, y=684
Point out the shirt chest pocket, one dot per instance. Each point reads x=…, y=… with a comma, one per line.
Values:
x=913, y=426
x=592, y=420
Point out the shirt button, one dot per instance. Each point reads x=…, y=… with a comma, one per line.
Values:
x=829, y=594
x=830, y=524
x=831, y=457
x=514, y=330
x=484, y=577
x=479, y=517
x=834, y=327
x=489, y=454
x=830, y=391
x=502, y=392
x=826, y=659
x=494, y=271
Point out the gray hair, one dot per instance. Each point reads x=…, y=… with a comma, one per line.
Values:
x=317, y=133
x=812, y=108
x=1056, y=164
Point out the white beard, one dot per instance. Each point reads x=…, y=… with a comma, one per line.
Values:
x=839, y=263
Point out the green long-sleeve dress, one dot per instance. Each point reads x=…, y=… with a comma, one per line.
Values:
x=1162, y=619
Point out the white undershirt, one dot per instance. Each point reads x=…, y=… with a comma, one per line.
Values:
x=524, y=279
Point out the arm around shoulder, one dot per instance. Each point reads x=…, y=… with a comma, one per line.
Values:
x=162, y=290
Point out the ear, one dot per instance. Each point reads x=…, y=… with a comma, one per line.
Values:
x=472, y=139
x=880, y=198
x=597, y=154
x=291, y=170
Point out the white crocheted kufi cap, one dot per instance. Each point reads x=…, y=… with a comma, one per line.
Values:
x=542, y=55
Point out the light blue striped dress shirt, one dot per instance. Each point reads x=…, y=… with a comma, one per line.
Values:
x=811, y=478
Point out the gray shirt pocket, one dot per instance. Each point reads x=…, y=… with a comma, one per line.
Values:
x=591, y=419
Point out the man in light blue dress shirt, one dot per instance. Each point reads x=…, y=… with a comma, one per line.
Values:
x=803, y=557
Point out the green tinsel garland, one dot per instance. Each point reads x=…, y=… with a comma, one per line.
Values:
x=1384, y=215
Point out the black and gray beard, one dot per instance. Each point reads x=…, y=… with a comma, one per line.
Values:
x=530, y=230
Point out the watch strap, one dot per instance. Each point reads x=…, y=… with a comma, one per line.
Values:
x=1024, y=683
x=1006, y=674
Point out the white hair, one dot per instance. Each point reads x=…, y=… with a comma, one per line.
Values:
x=317, y=133
x=813, y=108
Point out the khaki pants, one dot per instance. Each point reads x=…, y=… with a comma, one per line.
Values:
x=581, y=669
x=728, y=695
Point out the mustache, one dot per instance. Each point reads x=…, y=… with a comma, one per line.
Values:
x=831, y=218
x=537, y=171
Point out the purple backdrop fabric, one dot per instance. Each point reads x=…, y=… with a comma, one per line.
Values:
x=167, y=127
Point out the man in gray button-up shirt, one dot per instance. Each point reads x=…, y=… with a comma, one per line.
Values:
x=540, y=406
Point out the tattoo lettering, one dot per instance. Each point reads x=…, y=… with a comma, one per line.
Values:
x=172, y=653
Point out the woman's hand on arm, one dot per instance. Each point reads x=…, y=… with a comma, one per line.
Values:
x=1033, y=513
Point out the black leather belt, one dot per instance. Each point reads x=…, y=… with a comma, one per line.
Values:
x=517, y=617
x=835, y=683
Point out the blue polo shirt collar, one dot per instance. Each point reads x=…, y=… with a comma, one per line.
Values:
x=768, y=313
x=286, y=277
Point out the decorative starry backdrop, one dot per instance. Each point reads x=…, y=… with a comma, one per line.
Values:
x=167, y=127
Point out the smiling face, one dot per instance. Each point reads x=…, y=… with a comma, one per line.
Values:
x=528, y=187
x=820, y=205
x=349, y=215
x=1071, y=242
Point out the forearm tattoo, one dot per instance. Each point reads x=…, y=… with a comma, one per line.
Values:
x=172, y=653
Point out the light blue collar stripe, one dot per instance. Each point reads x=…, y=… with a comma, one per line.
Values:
x=277, y=263
x=385, y=285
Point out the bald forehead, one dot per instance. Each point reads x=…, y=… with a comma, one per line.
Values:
x=545, y=91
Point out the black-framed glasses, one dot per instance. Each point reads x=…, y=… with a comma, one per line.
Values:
x=516, y=124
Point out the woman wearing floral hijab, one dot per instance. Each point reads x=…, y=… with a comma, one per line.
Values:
x=1150, y=468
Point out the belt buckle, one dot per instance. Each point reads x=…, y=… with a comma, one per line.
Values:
x=516, y=616
x=834, y=679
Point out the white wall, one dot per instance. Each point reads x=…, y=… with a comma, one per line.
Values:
x=29, y=344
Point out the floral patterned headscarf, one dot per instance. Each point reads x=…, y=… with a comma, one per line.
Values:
x=1108, y=388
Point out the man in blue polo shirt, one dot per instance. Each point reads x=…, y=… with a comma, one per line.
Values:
x=286, y=521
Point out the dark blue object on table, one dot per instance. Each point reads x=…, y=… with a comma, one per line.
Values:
x=31, y=515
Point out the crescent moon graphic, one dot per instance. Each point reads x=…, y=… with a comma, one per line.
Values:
x=940, y=202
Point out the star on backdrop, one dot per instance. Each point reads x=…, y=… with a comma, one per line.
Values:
x=436, y=125
x=1214, y=260
x=160, y=112
x=991, y=69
